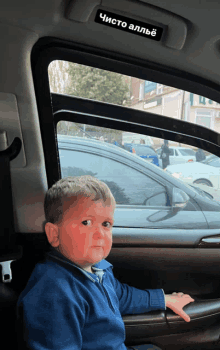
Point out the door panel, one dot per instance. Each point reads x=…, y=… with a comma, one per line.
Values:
x=155, y=245
x=193, y=271
x=149, y=263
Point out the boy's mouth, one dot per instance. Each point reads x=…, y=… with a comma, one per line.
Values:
x=100, y=245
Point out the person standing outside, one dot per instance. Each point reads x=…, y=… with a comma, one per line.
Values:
x=200, y=155
x=165, y=154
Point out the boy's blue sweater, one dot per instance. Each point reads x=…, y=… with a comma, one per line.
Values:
x=64, y=307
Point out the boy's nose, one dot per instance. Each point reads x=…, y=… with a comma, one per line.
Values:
x=99, y=231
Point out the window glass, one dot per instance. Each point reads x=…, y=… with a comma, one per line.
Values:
x=105, y=153
x=209, y=158
x=190, y=165
x=128, y=185
x=215, y=162
x=187, y=152
x=142, y=150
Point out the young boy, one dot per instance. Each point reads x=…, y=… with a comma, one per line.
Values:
x=72, y=300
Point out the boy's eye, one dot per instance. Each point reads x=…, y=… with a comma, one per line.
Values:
x=107, y=224
x=87, y=222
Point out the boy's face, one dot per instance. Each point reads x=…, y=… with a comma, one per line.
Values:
x=85, y=234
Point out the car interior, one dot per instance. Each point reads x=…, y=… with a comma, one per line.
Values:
x=114, y=73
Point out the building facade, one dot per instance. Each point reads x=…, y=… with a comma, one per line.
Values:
x=174, y=103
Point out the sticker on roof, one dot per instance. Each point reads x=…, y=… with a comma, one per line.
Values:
x=129, y=25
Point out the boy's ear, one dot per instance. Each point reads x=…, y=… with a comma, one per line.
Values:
x=52, y=233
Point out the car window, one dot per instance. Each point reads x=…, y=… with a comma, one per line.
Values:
x=215, y=162
x=144, y=150
x=98, y=84
x=186, y=152
x=77, y=80
x=128, y=185
x=208, y=159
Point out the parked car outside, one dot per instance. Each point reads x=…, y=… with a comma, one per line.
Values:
x=205, y=173
x=178, y=155
x=141, y=189
x=144, y=151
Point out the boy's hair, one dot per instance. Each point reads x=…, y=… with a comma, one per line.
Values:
x=69, y=190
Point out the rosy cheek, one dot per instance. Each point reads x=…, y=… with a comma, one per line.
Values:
x=82, y=242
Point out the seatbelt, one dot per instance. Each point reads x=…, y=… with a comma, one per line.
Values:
x=9, y=251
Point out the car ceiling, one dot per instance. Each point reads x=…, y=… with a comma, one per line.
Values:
x=23, y=22
x=200, y=54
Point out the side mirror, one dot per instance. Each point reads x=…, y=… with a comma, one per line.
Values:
x=179, y=198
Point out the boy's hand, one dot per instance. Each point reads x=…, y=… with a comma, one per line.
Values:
x=176, y=302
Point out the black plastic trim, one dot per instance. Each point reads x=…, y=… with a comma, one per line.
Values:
x=107, y=115
x=48, y=49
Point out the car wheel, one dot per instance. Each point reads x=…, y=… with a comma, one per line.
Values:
x=203, y=182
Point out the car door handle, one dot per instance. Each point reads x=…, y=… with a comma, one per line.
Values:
x=209, y=242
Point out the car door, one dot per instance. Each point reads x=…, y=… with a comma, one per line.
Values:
x=216, y=164
x=173, y=259
x=172, y=156
x=179, y=159
x=186, y=155
x=140, y=191
x=151, y=232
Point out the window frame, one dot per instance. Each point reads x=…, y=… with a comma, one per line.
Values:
x=48, y=49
